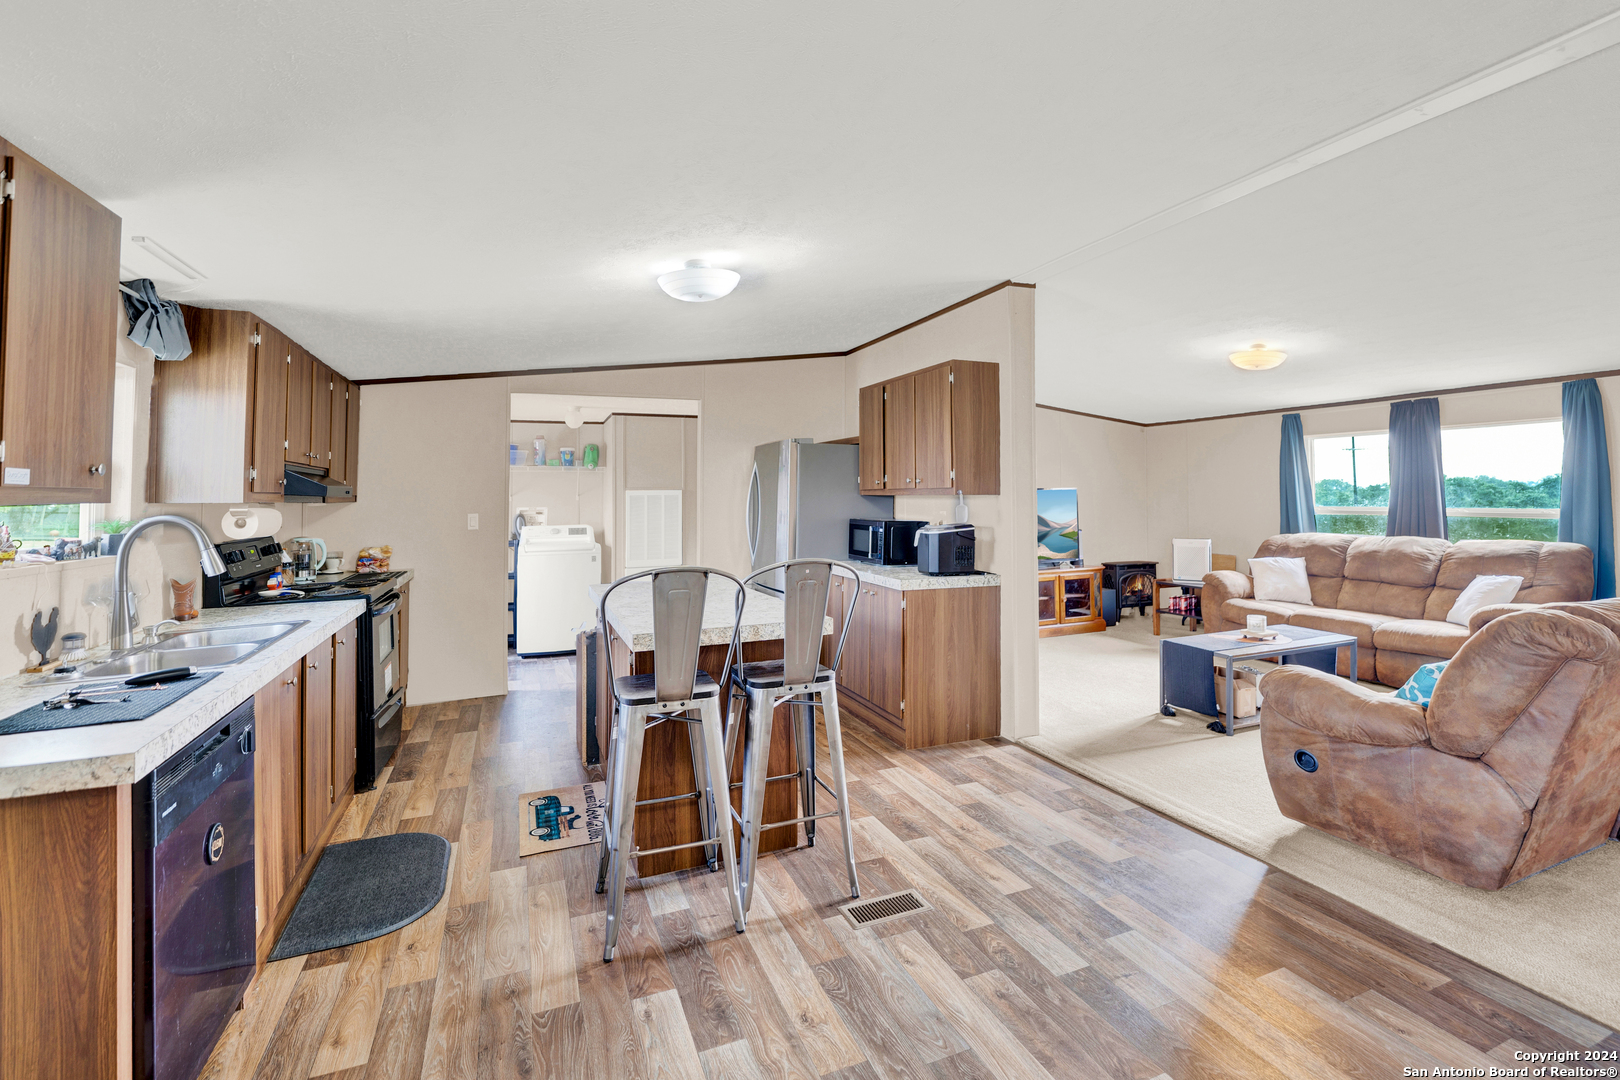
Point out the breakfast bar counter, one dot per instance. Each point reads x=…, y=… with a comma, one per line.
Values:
x=667, y=757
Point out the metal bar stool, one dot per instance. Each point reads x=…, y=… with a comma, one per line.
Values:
x=801, y=681
x=675, y=688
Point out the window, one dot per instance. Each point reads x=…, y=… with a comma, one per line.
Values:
x=1502, y=481
x=1352, y=482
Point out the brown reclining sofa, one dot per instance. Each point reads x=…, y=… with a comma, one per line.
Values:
x=1514, y=766
x=1393, y=592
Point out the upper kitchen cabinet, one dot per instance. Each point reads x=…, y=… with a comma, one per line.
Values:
x=933, y=432
x=58, y=336
x=226, y=419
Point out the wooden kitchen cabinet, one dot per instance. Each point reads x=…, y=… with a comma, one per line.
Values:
x=345, y=709
x=320, y=793
x=320, y=419
x=921, y=666
x=59, y=326
x=405, y=638
x=277, y=792
x=339, y=429
x=933, y=432
x=300, y=404
x=225, y=421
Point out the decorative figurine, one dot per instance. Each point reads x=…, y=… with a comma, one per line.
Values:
x=185, y=599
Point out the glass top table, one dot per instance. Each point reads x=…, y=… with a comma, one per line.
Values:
x=1187, y=665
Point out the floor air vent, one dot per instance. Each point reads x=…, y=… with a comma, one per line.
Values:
x=883, y=908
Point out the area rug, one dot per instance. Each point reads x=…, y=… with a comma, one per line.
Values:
x=364, y=889
x=561, y=818
x=1099, y=716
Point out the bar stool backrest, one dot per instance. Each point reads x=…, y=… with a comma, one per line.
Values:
x=807, y=584
x=678, y=598
x=678, y=594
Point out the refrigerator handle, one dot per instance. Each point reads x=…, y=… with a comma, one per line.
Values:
x=751, y=516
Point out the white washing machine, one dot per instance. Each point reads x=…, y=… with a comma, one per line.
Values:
x=555, y=564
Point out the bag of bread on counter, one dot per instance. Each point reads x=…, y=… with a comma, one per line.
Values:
x=373, y=559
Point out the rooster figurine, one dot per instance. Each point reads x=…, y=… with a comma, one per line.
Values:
x=43, y=634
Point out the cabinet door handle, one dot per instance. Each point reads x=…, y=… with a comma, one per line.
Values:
x=314, y=664
x=291, y=682
x=98, y=470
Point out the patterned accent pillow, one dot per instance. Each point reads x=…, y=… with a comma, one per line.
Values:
x=1420, y=687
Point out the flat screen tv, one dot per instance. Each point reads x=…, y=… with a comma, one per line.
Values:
x=1057, y=525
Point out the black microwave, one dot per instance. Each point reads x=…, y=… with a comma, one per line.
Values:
x=883, y=541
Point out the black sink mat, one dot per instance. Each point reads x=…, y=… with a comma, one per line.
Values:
x=141, y=704
x=364, y=889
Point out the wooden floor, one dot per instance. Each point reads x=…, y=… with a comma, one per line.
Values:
x=1073, y=934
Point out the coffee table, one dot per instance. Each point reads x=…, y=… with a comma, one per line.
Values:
x=1187, y=665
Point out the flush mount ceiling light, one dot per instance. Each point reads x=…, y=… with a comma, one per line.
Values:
x=698, y=281
x=574, y=417
x=1257, y=358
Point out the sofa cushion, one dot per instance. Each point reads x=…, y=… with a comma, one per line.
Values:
x=1277, y=613
x=1391, y=575
x=1324, y=555
x=1358, y=624
x=1551, y=572
x=1279, y=578
x=1424, y=637
x=1419, y=687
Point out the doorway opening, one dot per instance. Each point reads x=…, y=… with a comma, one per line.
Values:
x=598, y=487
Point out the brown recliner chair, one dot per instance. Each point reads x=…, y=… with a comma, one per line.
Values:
x=1515, y=765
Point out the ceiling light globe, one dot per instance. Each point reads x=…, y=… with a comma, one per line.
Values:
x=1257, y=358
x=574, y=417
x=698, y=282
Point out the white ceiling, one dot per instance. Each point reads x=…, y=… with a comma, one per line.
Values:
x=419, y=186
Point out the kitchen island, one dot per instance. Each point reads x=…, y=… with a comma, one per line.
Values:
x=68, y=935
x=667, y=757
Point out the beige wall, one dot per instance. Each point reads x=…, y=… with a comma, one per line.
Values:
x=1106, y=462
x=1218, y=478
x=999, y=329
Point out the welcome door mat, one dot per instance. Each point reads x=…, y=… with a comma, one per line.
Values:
x=560, y=818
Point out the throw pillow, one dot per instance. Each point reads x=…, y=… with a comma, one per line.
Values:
x=1484, y=589
x=1420, y=687
x=1280, y=579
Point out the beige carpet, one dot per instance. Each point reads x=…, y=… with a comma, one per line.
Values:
x=1554, y=933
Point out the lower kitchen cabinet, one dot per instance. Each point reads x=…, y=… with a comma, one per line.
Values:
x=304, y=774
x=319, y=791
x=277, y=791
x=922, y=666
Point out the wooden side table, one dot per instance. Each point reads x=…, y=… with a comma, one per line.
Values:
x=1195, y=588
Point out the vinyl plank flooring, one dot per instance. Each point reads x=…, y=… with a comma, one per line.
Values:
x=1073, y=934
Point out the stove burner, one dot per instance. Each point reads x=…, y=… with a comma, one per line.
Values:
x=360, y=581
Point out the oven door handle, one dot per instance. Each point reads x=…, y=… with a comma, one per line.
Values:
x=388, y=608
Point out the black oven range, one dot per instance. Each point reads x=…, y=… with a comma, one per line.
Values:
x=379, y=697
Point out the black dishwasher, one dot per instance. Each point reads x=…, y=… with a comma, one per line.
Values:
x=194, y=898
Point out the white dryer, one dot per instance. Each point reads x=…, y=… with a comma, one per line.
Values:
x=555, y=565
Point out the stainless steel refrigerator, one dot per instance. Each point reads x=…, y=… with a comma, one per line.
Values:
x=800, y=499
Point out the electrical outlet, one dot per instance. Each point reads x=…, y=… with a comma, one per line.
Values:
x=472, y=521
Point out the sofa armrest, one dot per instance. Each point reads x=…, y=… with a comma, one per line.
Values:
x=1219, y=587
x=1495, y=611
x=1342, y=709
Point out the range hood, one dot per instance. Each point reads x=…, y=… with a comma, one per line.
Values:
x=308, y=486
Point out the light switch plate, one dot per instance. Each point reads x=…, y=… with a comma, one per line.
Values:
x=472, y=521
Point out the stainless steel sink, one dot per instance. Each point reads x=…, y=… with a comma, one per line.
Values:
x=261, y=634
x=156, y=659
x=217, y=647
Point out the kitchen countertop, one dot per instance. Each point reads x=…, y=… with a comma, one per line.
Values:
x=907, y=578
x=630, y=613
x=71, y=759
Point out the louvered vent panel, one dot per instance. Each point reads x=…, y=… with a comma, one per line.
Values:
x=883, y=908
x=652, y=529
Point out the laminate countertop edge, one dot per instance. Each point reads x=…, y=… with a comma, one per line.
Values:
x=910, y=579
x=104, y=755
